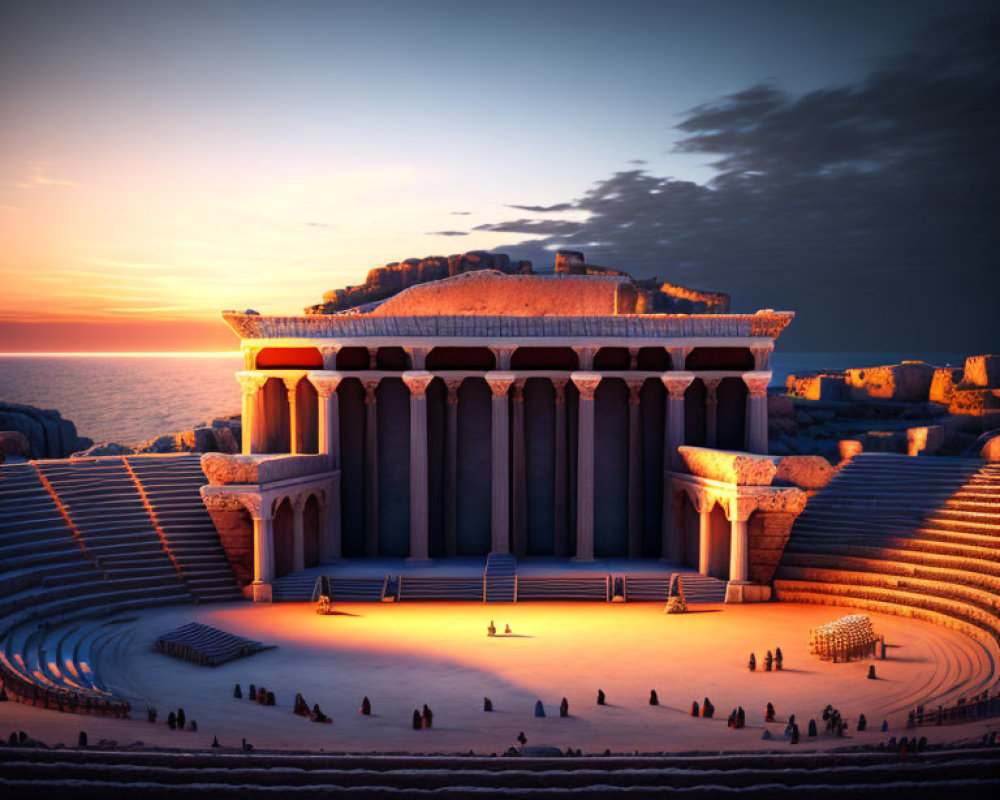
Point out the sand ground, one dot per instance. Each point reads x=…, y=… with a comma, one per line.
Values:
x=408, y=654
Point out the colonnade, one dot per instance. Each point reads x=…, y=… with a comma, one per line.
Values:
x=508, y=506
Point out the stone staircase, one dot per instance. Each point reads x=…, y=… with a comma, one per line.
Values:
x=500, y=578
x=570, y=588
x=646, y=589
x=912, y=536
x=171, y=486
x=430, y=589
x=703, y=588
x=137, y=774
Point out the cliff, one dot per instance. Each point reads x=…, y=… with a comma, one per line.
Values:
x=382, y=283
x=47, y=433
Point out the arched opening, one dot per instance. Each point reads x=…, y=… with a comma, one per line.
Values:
x=276, y=418
x=392, y=358
x=559, y=358
x=289, y=358
x=284, y=539
x=353, y=358
x=720, y=358
x=719, y=543
x=312, y=530
x=307, y=416
x=731, y=414
x=612, y=358
x=694, y=414
x=654, y=359
x=443, y=358
x=690, y=520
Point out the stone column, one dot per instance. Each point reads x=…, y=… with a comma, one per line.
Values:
x=263, y=558
x=705, y=565
x=500, y=499
x=371, y=467
x=634, y=468
x=418, y=357
x=711, y=409
x=678, y=357
x=451, y=469
x=739, y=568
x=503, y=356
x=298, y=533
x=676, y=383
x=762, y=356
x=519, y=469
x=674, y=532
x=586, y=383
x=326, y=384
x=329, y=353
x=250, y=420
x=756, y=413
x=292, y=386
x=417, y=381
x=250, y=357
x=585, y=355
x=559, y=516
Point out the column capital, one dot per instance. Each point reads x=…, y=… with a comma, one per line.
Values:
x=299, y=501
x=711, y=389
x=678, y=355
x=586, y=383
x=503, y=356
x=762, y=355
x=370, y=385
x=757, y=382
x=417, y=381
x=329, y=353
x=517, y=390
x=250, y=355
x=677, y=382
x=499, y=382
x=418, y=356
x=739, y=508
x=559, y=384
x=251, y=381
x=634, y=390
x=586, y=354
x=291, y=384
x=325, y=382
x=453, y=385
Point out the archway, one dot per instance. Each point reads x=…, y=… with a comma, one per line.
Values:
x=312, y=530
x=284, y=539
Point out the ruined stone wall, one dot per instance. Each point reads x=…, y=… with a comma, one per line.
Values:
x=235, y=529
x=768, y=534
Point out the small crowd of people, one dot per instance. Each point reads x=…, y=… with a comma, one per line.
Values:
x=423, y=720
x=176, y=720
x=706, y=710
x=261, y=696
x=773, y=661
x=301, y=708
x=491, y=629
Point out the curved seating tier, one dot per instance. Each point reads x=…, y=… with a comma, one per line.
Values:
x=77, y=542
x=910, y=536
x=966, y=773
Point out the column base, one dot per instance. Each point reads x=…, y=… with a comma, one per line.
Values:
x=261, y=592
x=747, y=592
x=582, y=559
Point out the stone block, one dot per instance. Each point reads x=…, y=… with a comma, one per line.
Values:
x=908, y=382
x=806, y=472
x=223, y=468
x=991, y=450
x=225, y=442
x=943, y=384
x=976, y=402
x=848, y=448
x=816, y=387
x=747, y=593
x=925, y=440
x=983, y=371
x=729, y=466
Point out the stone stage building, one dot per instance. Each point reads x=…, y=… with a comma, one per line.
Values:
x=486, y=412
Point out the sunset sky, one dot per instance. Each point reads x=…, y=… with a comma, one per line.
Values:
x=160, y=162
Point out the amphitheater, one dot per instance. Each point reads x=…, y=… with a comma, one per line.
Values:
x=100, y=556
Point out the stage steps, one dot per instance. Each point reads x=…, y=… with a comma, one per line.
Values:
x=570, y=588
x=172, y=486
x=501, y=578
x=428, y=588
x=646, y=589
x=969, y=773
x=911, y=536
x=703, y=588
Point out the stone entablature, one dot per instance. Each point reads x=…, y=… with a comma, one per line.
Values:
x=561, y=329
x=222, y=468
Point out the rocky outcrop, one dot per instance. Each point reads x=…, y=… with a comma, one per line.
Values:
x=806, y=472
x=13, y=443
x=644, y=296
x=220, y=435
x=47, y=433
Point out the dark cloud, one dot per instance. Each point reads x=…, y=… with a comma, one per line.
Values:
x=638, y=161
x=544, y=209
x=870, y=209
x=446, y=233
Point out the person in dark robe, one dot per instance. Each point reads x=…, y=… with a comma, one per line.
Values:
x=695, y=711
x=564, y=708
x=318, y=716
x=506, y=629
x=768, y=661
x=366, y=706
x=741, y=717
x=301, y=707
x=653, y=699
x=862, y=722
x=600, y=697
x=522, y=738
x=812, y=727
x=418, y=722
x=172, y=721
x=779, y=659
x=428, y=717
x=539, y=709
x=252, y=694
x=491, y=630
x=487, y=704
x=795, y=735
x=238, y=692
x=707, y=709
x=180, y=719
x=769, y=713
x=753, y=663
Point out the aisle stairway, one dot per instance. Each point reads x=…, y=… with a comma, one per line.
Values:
x=127, y=775
x=171, y=485
x=911, y=536
x=501, y=578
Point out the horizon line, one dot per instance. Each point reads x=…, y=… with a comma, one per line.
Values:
x=128, y=354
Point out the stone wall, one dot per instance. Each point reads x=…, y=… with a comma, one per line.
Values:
x=768, y=534
x=235, y=529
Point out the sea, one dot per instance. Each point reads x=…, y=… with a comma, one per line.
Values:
x=133, y=398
